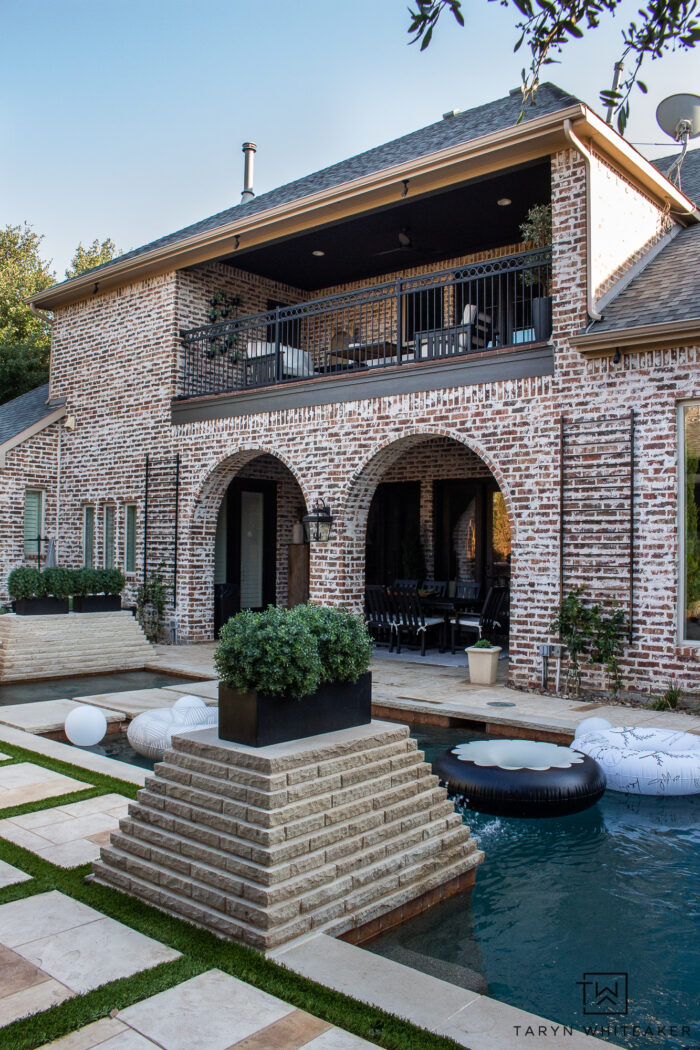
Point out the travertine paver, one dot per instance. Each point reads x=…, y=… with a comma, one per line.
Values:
x=46, y=716
x=210, y=1012
x=68, y=835
x=25, y=782
x=9, y=875
x=133, y=701
x=52, y=947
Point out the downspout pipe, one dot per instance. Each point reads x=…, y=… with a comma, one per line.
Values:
x=41, y=314
x=576, y=143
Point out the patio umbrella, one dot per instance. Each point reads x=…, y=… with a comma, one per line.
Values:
x=50, y=562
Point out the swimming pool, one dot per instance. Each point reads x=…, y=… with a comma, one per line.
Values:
x=86, y=685
x=612, y=890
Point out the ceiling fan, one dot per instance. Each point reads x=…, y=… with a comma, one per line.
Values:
x=405, y=242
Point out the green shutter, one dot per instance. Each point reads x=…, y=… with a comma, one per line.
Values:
x=109, y=538
x=33, y=501
x=89, y=538
x=130, y=559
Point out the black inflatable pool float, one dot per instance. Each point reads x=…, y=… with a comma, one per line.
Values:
x=503, y=783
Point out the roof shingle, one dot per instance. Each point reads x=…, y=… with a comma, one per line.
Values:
x=26, y=410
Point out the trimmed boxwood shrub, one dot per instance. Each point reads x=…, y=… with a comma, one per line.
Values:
x=292, y=651
x=57, y=582
x=112, y=581
x=344, y=643
x=273, y=652
x=24, y=582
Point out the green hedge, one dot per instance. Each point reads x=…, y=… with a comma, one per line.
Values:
x=292, y=651
x=56, y=582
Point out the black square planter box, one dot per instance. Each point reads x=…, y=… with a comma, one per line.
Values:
x=97, y=603
x=40, y=606
x=258, y=719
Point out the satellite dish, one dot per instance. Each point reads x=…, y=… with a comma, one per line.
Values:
x=679, y=115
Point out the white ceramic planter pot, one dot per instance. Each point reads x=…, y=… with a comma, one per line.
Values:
x=483, y=664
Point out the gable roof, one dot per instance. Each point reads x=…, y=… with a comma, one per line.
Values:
x=26, y=411
x=457, y=129
x=690, y=172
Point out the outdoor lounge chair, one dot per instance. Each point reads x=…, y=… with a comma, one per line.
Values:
x=489, y=621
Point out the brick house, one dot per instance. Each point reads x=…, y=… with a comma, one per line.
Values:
x=377, y=334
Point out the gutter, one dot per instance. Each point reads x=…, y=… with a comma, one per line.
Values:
x=576, y=143
x=447, y=167
x=39, y=313
x=664, y=335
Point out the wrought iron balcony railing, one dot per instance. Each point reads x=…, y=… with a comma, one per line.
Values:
x=449, y=313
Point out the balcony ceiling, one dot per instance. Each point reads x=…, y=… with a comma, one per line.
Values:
x=458, y=221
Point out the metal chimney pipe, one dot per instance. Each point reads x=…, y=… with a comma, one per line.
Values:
x=249, y=148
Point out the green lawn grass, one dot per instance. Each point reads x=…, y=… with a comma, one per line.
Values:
x=200, y=949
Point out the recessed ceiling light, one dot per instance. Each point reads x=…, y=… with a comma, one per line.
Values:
x=318, y=253
x=503, y=202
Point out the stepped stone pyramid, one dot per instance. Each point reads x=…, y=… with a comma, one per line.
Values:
x=343, y=833
x=34, y=647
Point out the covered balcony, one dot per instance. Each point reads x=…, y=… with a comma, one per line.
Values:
x=433, y=291
x=495, y=304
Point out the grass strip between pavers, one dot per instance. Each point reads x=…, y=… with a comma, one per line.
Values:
x=201, y=950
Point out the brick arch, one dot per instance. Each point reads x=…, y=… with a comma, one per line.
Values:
x=361, y=486
x=196, y=581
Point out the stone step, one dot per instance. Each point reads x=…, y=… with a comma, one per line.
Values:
x=332, y=752
x=315, y=869
x=172, y=897
x=229, y=820
x=264, y=782
x=283, y=807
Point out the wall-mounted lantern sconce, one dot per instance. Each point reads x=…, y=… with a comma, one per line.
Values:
x=318, y=523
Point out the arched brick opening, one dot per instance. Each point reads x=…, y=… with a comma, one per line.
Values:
x=385, y=461
x=196, y=583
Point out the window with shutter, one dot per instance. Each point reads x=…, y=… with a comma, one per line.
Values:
x=89, y=538
x=33, y=519
x=109, y=537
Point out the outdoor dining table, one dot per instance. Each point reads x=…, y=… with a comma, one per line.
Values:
x=447, y=608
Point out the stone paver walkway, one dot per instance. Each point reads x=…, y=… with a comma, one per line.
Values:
x=9, y=875
x=52, y=947
x=409, y=686
x=68, y=835
x=26, y=782
x=46, y=716
x=211, y=1012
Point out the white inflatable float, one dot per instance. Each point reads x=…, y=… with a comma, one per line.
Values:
x=150, y=733
x=641, y=760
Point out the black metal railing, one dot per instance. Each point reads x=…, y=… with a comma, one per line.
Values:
x=449, y=313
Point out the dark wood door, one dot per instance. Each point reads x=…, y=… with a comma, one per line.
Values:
x=394, y=548
x=251, y=550
x=454, y=500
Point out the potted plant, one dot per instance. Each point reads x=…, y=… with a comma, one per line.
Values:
x=483, y=662
x=97, y=590
x=39, y=593
x=291, y=673
x=537, y=230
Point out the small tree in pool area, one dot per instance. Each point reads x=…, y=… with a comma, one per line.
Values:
x=591, y=633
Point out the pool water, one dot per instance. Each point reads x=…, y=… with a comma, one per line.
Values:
x=613, y=890
x=87, y=685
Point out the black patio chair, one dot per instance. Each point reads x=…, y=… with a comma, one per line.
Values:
x=490, y=621
x=437, y=588
x=406, y=585
x=410, y=619
x=378, y=614
x=467, y=591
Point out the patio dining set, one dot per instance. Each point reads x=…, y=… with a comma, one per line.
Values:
x=412, y=611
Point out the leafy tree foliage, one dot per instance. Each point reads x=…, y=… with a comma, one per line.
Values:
x=94, y=255
x=546, y=26
x=24, y=338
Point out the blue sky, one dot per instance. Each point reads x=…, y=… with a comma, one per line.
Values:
x=125, y=118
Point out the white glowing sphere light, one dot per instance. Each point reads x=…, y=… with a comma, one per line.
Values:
x=85, y=725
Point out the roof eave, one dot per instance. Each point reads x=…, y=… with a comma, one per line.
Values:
x=662, y=336
x=515, y=144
